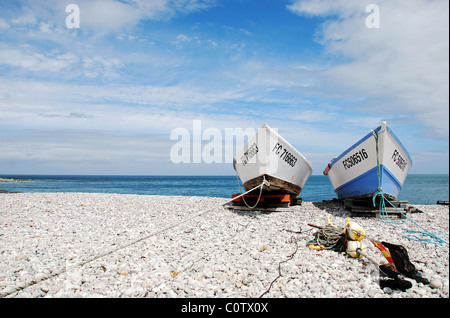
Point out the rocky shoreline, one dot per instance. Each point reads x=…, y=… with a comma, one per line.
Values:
x=110, y=245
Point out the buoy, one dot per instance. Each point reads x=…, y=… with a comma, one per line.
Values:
x=356, y=249
x=315, y=247
x=355, y=231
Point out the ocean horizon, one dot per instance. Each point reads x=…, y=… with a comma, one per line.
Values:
x=417, y=189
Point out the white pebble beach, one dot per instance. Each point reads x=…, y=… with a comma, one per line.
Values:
x=110, y=245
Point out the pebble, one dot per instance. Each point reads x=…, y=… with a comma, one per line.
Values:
x=435, y=283
x=110, y=245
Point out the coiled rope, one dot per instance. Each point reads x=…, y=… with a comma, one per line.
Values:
x=413, y=235
x=329, y=238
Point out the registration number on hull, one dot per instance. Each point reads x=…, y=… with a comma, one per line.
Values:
x=398, y=160
x=355, y=158
x=249, y=154
x=284, y=154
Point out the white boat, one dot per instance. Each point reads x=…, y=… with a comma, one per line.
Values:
x=267, y=156
x=355, y=172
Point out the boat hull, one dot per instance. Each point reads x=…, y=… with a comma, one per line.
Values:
x=355, y=172
x=268, y=156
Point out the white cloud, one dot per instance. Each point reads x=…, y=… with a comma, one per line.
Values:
x=27, y=18
x=66, y=64
x=45, y=27
x=67, y=152
x=402, y=67
x=183, y=38
x=119, y=108
x=3, y=24
x=28, y=58
x=78, y=83
x=103, y=16
x=114, y=15
x=344, y=8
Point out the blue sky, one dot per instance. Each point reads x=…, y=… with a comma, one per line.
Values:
x=104, y=98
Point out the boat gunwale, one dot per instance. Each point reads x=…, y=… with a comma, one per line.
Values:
x=336, y=159
x=278, y=136
x=370, y=134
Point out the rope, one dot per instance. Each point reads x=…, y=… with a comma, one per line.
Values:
x=384, y=217
x=293, y=240
x=329, y=237
x=260, y=193
x=261, y=186
x=101, y=255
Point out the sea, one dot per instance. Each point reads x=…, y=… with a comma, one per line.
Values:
x=417, y=189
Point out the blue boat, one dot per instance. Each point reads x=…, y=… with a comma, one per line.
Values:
x=377, y=161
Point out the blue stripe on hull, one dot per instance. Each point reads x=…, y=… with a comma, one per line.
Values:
x=367, y=183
